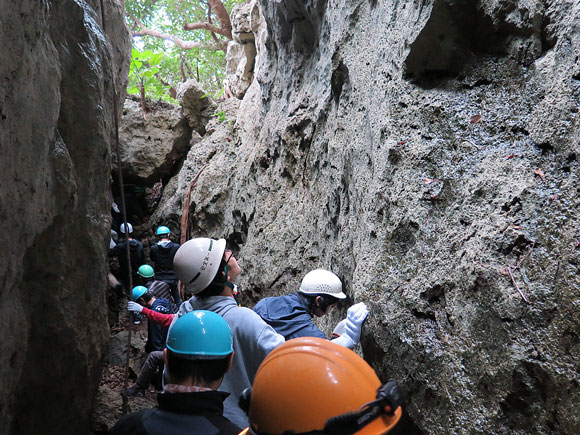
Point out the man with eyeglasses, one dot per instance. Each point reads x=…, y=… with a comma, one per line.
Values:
x=207, y=269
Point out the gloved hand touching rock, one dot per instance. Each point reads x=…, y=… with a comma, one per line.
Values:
x=355, y=317
x=134, y=306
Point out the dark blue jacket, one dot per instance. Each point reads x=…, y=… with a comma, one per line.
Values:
x=180, y=413
x=289, y=316
x=162, y=256
x=157, y=334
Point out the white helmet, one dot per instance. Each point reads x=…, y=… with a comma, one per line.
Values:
x=129, y=226
x=197, y=261
x=322, y=281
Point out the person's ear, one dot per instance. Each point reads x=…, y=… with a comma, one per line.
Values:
x=317, y=301
x=231, y=361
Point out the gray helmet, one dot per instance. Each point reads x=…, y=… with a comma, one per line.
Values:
x=197, y=261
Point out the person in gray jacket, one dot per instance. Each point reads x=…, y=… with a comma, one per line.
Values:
x=207, y=269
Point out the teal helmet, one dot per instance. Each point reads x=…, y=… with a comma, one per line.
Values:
x=146, y=271
x=163, y=230
x=139, y=291
x=200, y=335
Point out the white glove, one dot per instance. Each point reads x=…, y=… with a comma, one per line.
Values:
x=355, y=317
x=134, y=306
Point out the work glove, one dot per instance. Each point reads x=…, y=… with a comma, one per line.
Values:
x=355, y=316
x=134, y=306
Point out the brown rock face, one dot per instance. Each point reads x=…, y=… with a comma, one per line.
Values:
x=357, y=149
x=55, y=124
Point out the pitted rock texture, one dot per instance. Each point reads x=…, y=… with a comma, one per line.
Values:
x=56, y=118
x=418, y=150
x=152, y=148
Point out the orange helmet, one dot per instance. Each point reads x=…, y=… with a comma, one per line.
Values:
x=307, y=381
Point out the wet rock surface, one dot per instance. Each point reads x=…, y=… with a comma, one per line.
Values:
x=427, y=152
x=56, y=116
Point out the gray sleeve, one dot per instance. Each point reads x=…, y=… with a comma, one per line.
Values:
x=266, y=341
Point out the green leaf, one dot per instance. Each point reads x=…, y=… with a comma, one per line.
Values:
x=163, y=58
x=155, y=59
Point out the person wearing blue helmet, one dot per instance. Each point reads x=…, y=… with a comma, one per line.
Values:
x=156, y=334
x=199, y=352
x=161, y=255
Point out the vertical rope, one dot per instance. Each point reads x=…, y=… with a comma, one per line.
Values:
x=123, y=209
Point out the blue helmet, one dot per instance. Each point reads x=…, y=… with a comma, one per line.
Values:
x=138, y=291
x=163, y=230
x=200, y=335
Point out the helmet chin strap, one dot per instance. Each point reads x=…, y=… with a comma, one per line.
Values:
x=227, y=283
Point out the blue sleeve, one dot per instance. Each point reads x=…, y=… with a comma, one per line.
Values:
x=309, y=330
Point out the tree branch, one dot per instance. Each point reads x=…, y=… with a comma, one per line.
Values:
x=184, y=45
x=222, y=15
x=215, y=38
x=209, y=27
x=181, y=62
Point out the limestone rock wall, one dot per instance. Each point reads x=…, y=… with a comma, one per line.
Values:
x=152, y=148
x=418, y=149
x=55, y=132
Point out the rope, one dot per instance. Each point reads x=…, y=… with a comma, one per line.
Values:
x=123, y=209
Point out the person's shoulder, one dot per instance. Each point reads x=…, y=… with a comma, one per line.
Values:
x=130, y=424
x=244, y=313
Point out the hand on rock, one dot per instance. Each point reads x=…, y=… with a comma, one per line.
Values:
x=350, y=333
x=355, y=317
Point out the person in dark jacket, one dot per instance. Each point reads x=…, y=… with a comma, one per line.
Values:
x=199, y=353
x=320, y=290
x=120, y=251
x=156, y=334
x=162, y=254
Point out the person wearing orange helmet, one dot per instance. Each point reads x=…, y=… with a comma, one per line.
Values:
x=312, y=386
